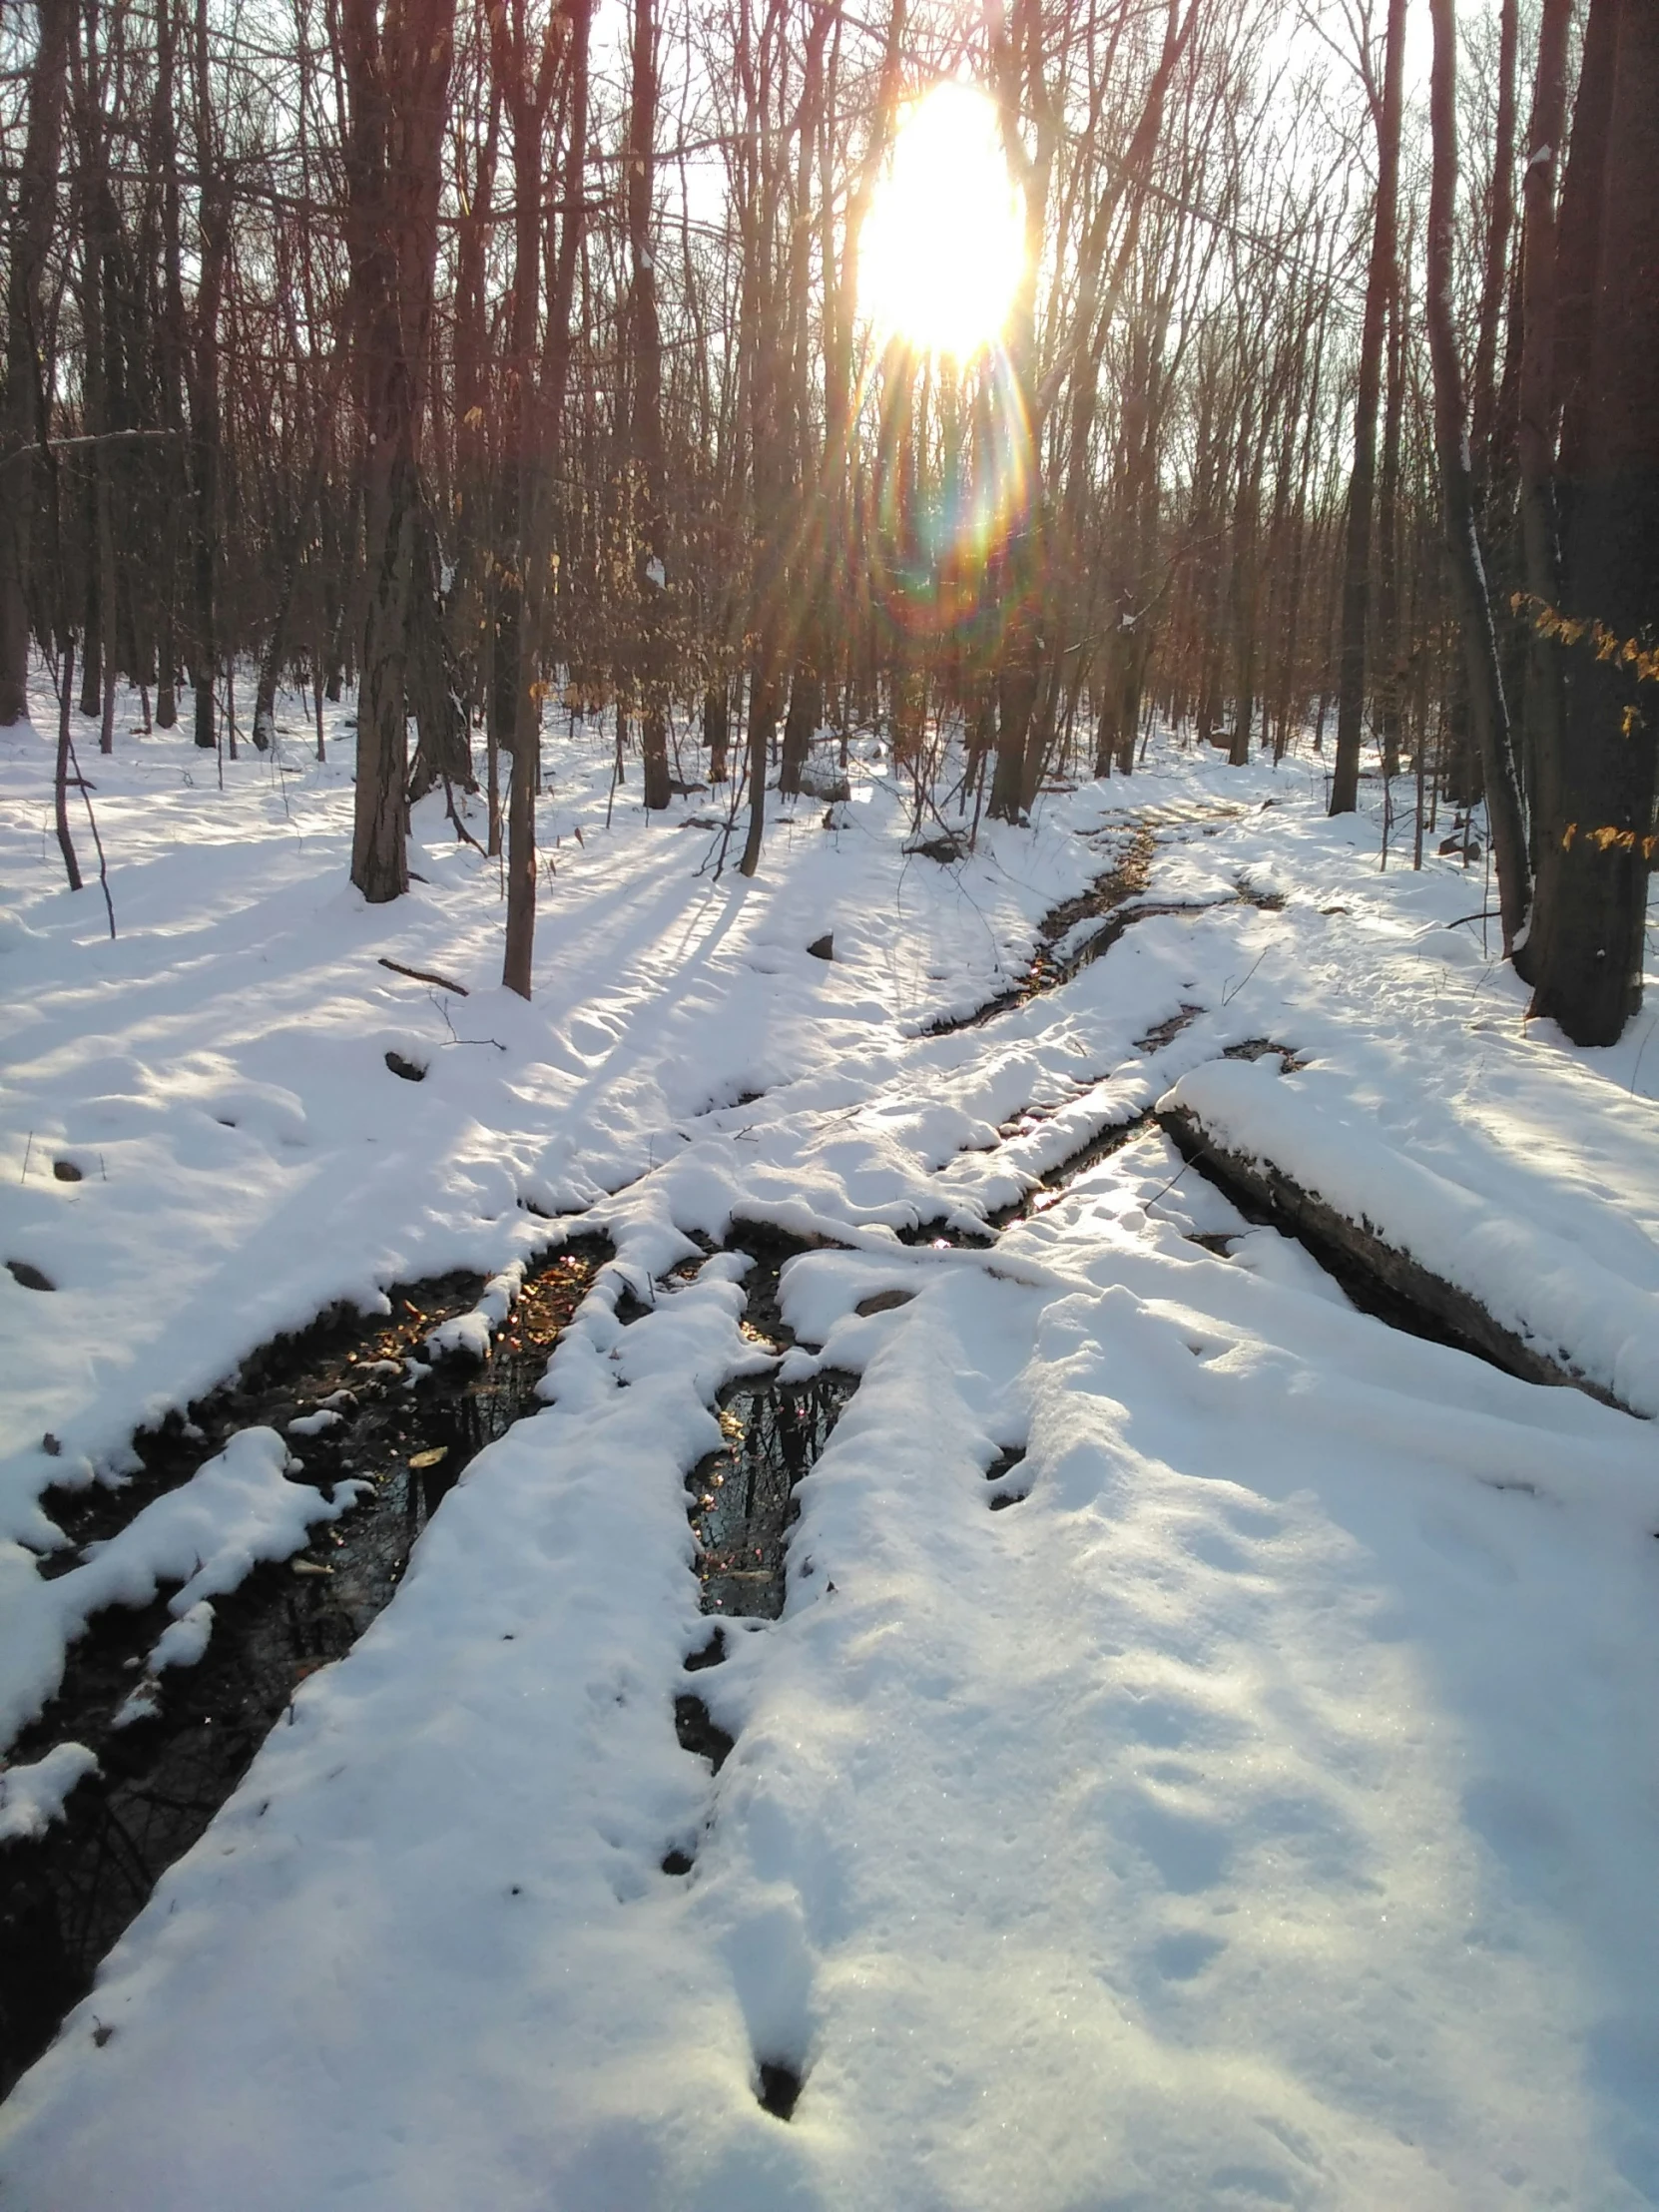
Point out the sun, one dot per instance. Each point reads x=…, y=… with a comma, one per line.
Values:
x=943, y=244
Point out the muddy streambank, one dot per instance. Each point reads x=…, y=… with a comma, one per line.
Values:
x=1066, y=944
x=68, y=1893
x=1063, y=947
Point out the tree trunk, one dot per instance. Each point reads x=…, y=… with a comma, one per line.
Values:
x=1486, y=706
x=442, y=752
x=1540, y=546
x=204, y=375
x=1379, y=282
x=22, y=423
x=716, y=729
x=59, y=782
x=170, y=350
x=1595, y=864
x=646, y=361
x=802, y=723
x=1388, y=531
x=398, y=79
x=1501, y=218
x=763, y=725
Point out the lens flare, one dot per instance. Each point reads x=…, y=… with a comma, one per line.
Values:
x=943, y=244
x=940, y=550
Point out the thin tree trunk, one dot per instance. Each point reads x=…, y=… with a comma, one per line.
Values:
x=1486, y=682
x=763, y=725
x=205, y=390
x=1500, y=223
x=1379, y=282
x=60, y=788
x=646, y=362
x=1540, y=546
x=170, y=350
x=1388, y=531
x=22, y=424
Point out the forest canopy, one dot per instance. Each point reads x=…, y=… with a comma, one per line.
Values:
x=752, y=369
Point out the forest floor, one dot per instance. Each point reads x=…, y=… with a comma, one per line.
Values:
x=1178, y=1739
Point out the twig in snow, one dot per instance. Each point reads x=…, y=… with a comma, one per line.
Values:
x=27, y=1150
x=426, y=975
x=450, y=1026
x=1646, y=1041
x=1227, y=996
x=1169, y=1186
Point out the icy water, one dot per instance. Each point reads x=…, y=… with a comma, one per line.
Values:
x=744, y=1495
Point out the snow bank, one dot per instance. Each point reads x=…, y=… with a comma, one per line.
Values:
x=1553, y=1294
x=1256, y=1814
x=32, y=1797
x=238, y=1510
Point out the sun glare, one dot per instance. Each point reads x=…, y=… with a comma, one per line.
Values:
x=944, y=240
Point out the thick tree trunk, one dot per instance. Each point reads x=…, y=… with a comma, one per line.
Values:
x=800, y=723
x=1379, y=282
x=442, y=752
x=398, y=76
x=1016, y=699
x=1595, y=861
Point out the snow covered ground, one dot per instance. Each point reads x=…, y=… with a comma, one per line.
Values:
x=1260, y=1811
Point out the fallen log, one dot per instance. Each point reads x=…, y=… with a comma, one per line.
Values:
x=1380, y=1276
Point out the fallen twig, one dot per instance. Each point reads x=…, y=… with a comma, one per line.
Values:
x=426, y=975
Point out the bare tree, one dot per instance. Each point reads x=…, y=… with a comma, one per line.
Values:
x=1598, y=848
x=1486, y=682
x=1380, y=281
x=396, y=64
x=23, y=418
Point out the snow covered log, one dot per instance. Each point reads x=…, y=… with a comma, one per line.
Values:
x=1530, y=1302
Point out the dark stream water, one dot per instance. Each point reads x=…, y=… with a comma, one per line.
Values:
x=67, y=1894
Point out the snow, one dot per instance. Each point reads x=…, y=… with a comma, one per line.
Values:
x=1260, y=1811
x=1554, y=1294
x=183, y=1642
x=472, y=1332
x=235, y=1510
x=32, y=1797
x=314, y=1424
